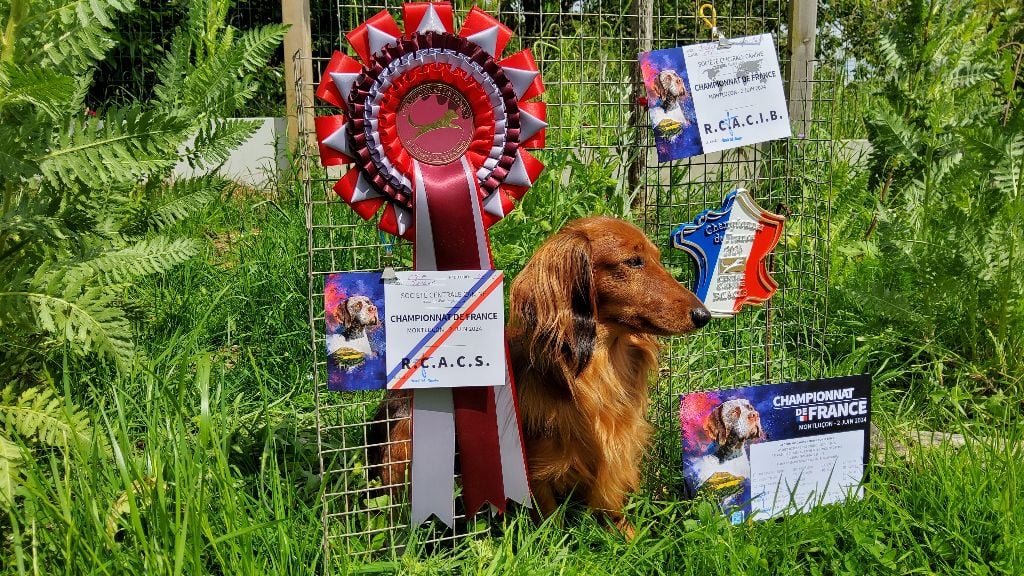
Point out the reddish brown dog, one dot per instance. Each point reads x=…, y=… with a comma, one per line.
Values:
x=583, y=318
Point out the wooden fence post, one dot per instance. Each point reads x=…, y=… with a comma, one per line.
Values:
x=803, y=25
x=298, y=68
x=638, y=114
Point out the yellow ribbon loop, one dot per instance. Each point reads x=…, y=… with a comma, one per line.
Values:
x=712, y=20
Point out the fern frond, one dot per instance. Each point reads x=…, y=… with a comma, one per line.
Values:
x=893, y=136
x=172, y=71
x=213, y=81
x=89, y=322
x=889, y=51
x=45, y=89
x=40, y=417
x=943, y=166
x=19, y=143
x=71, y=35
x=152, y=256
x=10, y=468
x=213, y=145
x=22, y=227
x=207, y=26
x=1008, y=173
x=970, y=74
x=993, y=260
x=120, y=148
x=187, y=196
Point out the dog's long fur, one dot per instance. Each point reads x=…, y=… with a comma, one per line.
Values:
x=583, y=318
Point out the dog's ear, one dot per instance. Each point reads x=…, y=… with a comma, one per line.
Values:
x=554, y=302
x=714, y=426
x=656, y=86
x=341, y=313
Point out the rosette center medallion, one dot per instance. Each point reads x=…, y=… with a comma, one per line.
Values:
x=435, y=123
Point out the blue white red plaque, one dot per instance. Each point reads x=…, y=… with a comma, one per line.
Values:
x=777, y=449
x=731, y=245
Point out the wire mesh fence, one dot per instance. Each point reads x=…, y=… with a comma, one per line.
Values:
x=143, y=39
x=783, y=339
x=587, y=53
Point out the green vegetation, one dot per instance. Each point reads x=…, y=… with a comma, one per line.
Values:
x=87, y=208
x=930, y=268
x=156, y=408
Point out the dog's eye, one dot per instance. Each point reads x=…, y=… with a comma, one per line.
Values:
x=635, y=262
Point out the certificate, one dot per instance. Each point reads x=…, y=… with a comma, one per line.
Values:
x=778, y=449
x=445, y=329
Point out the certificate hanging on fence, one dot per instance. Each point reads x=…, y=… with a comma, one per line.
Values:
x=777, y=449
x=715, y=96
x=445, y=329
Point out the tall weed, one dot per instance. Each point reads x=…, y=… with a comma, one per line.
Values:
x=933, y=269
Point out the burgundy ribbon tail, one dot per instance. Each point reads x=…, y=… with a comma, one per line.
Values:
x=459, y=242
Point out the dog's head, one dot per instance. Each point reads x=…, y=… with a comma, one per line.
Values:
x=598, y=273
x=669, y=86
x=733, y=422
x=357, y=311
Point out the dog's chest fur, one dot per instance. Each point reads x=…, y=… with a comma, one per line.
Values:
x=590, y=433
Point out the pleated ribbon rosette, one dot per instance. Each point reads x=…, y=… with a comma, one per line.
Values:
x=436, y=126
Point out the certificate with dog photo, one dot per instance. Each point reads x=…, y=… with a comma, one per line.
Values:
x=777, y=449
x=353, y=315
x=705, y=98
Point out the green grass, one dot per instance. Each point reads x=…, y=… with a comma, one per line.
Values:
x=204, y=458
x=207, y=459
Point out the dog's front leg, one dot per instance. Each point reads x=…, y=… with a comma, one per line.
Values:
x=608, y=495
x=544, y=498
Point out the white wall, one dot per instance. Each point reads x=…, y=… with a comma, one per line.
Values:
x=258, y=161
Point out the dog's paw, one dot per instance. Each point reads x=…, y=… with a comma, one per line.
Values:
x=625, y=527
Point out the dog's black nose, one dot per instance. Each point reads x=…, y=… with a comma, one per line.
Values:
x=700, y=316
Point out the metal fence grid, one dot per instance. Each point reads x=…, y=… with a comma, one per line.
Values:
x=144, y=38
x=587, y=53
x=785, y=338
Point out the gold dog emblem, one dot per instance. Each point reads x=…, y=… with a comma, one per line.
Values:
x=445, y=121
x=422, y=102
x=732, y=265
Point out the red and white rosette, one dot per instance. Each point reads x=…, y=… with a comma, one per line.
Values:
x=436, y=125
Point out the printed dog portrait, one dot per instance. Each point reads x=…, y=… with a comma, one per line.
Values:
x=731, y=425
x=354, y=309
x=355, y=315
x=725, y=468
x=670, y=104
x=668, y=85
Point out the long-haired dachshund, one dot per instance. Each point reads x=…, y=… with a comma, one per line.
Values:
x=583, y=318
x=584, y=314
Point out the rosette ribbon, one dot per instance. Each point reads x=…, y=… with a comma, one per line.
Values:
x=436, y=126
